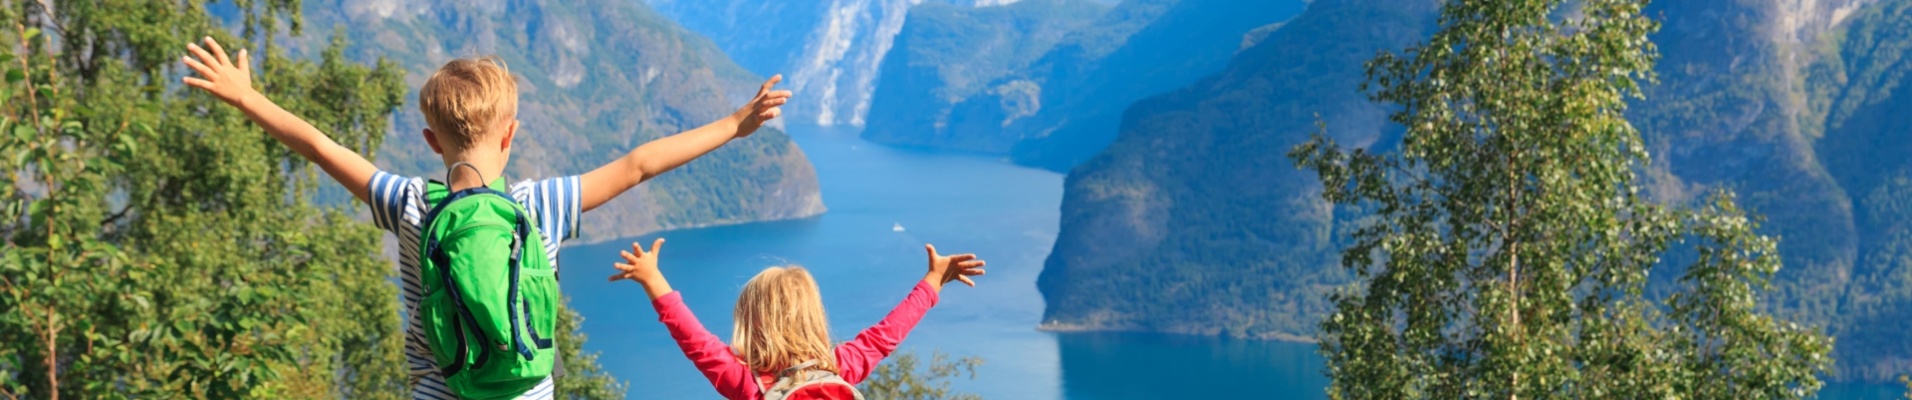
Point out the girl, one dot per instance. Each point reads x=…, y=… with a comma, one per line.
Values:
x=780, y=329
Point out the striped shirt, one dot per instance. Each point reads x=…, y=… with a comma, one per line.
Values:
x=399, y=206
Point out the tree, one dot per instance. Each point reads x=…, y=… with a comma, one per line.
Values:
x=902, y=378
x=583, y=378
x=156, y=244
x=1509, y=247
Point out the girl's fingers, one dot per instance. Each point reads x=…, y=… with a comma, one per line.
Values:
x=961, y=258
x=931, y=248
x=657, y=246
x=218, y=51
x=202, y=69
x=628, y=257
x=966, y=281
x=972, y=264
x=973, y=272
x=770, y=115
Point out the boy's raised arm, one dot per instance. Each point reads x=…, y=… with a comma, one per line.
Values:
x=656, y=157
x=231, y=81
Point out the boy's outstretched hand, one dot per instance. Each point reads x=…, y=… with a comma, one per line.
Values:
x=943, y=269
x=228, y=79
x=765, y=106
x=642, y=268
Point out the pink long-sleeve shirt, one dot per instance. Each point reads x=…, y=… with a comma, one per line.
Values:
x=734, y=380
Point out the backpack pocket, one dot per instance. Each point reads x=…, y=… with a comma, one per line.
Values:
x=444, y=333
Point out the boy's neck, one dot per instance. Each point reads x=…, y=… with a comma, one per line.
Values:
x=489, y=162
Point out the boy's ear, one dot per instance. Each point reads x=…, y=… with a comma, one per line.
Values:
x=511, y=130
x=432, y=140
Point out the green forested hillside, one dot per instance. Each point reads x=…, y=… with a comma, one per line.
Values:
x=597, y=78
x=948, y=53
x=1798, y=108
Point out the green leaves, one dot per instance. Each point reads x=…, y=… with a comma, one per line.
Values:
x=1509, y=250
x=905, y=376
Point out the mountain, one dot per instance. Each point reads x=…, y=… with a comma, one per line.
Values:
x=1191, y=221
x=1195, y=219
x=949, y=53
x=1090, y=82
x=1063, y=107
x=829, y=50
x=597, y=78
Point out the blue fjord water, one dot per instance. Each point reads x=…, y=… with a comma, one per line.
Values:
x=961, y=203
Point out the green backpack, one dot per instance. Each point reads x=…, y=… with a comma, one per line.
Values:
x=491, y=298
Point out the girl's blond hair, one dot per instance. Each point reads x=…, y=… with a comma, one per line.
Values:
x=780, y=322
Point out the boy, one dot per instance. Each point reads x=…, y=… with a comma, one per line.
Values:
x=471, y=108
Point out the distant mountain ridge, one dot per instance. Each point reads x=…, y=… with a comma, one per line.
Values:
x=597, y=78
x=947, y=54
x=1063, y=107
x=830, y=50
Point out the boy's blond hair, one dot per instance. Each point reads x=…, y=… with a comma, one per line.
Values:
x=780, y=322
x=466, y=100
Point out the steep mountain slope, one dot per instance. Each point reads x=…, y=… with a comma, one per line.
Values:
x=1191, y=221
x=597, y=78
x=1865, y=148
x=1795, y=105
x=947, y=53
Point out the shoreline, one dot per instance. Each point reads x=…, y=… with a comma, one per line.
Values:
x=1057, y=327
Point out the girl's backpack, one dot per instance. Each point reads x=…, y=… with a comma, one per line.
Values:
x=802, y=383
x=491, y=299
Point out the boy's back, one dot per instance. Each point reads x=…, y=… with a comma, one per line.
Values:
x=399, y=205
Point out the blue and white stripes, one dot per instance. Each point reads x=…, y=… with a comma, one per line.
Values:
x=399, y=205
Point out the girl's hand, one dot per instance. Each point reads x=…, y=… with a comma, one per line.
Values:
x=228, y=79
x=943, y=269
x=642, y=267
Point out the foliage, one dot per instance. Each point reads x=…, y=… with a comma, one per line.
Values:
x=902, y=378
x=165, y=248
x=157, y=244
x=583, y=378
x=1510, y=246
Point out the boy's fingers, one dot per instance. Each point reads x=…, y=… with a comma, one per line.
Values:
x=245, y=63
x=198, y=83
x=769, y=84
x=200, y=53
x=218, y=51
x=201, y=68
